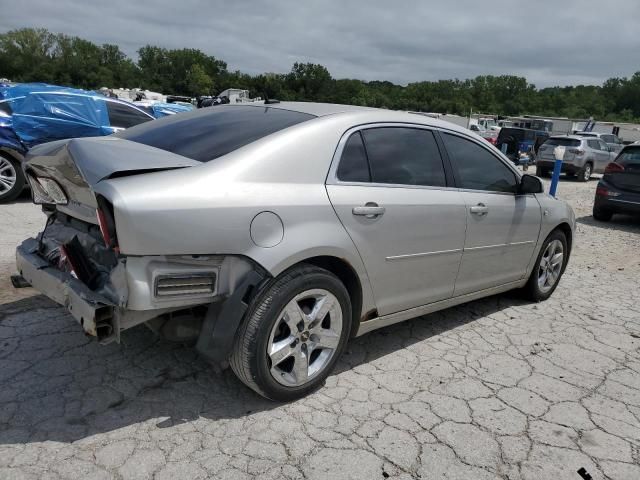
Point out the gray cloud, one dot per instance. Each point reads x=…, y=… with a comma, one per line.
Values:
x=549, y=42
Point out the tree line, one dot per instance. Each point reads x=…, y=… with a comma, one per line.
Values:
x=37, y=55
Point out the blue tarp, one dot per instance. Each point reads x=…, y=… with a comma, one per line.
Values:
x=163, y=109
x=48, y=116
x=42, y=113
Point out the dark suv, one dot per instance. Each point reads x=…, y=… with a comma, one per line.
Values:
x=619, y=189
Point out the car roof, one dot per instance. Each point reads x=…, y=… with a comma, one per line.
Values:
x=571, y=137
x=363, y=114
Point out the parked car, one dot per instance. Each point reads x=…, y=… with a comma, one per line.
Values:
x=490, y=136
x=270, y=234
x=618, y=190
x=614, y=143
x=31, y=114
x=515, y=141
x=582, y=157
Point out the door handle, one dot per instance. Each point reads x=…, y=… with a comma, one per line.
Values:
x=370, y=210
x=480, y=209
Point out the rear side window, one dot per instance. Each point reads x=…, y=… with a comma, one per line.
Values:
x=353, y=165
x=124, y=116
x=404, y=156
x=564, y=142
x=478, y=169
x=209, y=133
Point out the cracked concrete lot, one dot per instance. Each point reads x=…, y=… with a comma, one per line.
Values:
x=496, y=389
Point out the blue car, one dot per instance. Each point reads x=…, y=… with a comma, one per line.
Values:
x=35, y=113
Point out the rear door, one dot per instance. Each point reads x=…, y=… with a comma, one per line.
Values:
x=605, y=156
x=390, y=190
x=502, y=227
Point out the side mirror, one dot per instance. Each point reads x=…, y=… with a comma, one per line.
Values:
x=530, y=184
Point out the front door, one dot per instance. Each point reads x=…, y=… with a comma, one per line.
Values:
x=406, y=223
x=502, y=227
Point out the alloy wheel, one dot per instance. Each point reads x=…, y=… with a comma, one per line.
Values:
x=587, y=172
x=550, y=266
x=7, y=175
x=304, y=337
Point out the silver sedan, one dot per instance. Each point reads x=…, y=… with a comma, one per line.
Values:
x=269, y=234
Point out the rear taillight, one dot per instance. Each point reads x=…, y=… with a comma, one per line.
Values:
x=614, y=167
x=107, y=224
x=576, y=151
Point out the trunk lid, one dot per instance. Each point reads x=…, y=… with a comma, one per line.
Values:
x=80, y=163
x=628, y=179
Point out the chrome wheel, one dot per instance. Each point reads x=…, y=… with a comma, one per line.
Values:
x=7, y=176
x=304, y=337
x=587, y=172
x=550, y=266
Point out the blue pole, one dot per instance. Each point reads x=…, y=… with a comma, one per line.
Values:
x=555, y=178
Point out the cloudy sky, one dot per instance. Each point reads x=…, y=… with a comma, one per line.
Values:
x=548, y=41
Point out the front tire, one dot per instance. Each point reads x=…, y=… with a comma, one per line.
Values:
x=549, y=267
x=11, y=178
x=293, y=334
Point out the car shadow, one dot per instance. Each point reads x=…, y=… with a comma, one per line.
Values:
x=56, y=384
x=619, y=222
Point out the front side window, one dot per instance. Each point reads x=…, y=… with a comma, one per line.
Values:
x=354, y=166
x=404, y=156
x=603, y=146
x=477, y=167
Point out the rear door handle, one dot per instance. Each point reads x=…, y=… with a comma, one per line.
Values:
x=370, y=210
x=480, y=209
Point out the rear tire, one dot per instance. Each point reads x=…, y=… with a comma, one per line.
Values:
x=585, y=172
x=602, y=214
x=11, y=178
x=284, y=355
x=548, y=268
x=542, y=172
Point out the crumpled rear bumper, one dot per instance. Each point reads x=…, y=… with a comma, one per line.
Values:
x=94, y=312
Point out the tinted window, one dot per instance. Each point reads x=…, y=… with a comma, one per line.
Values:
x=630, y=156
x=478, y=169
x=603, y=146
x=405, y=156
x=565, y=142
x=593, y=144
x=353, y=165
x=209, y=133
x=124, y=116
x=608, y=138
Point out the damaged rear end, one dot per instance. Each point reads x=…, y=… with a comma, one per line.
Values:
x=76, y=260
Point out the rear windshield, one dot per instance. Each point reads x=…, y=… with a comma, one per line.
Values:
x=629, y=156
x=516, y=133
x=565, y=142
x=586, y=134
x=212, y=132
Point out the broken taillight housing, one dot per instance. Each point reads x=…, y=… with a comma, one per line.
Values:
x=46, y=191
x=107, y=223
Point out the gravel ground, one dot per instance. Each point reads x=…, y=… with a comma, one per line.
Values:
x=497, y=388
